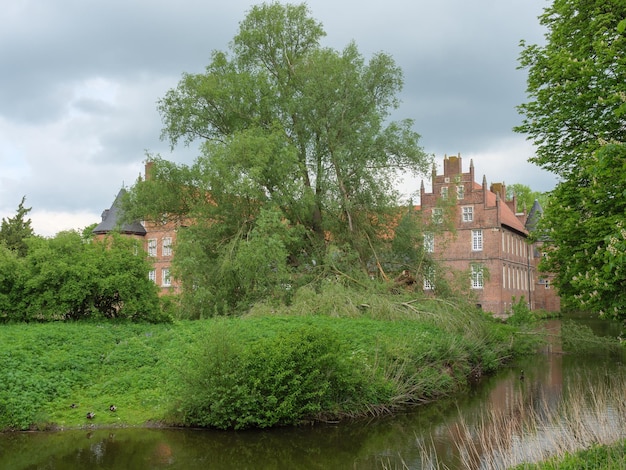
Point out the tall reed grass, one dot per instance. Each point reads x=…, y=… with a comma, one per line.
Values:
x=530, y=432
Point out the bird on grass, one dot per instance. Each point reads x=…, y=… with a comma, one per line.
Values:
x=73, y=405
x=91, y=415
x=112, y=408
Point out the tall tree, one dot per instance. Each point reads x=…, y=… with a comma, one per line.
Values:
x=15, y=230
x=525, y=197
x=290, y=131
x=576, y=117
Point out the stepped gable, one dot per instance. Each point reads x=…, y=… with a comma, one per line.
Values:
x=111, y=220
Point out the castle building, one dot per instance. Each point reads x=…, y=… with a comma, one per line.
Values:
x=158, y=241
x=486, y=238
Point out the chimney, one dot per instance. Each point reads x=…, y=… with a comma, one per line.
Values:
x=149, y=170
x=452, y=166
x=499, y=189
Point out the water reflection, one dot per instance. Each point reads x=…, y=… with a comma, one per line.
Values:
x=391, y=442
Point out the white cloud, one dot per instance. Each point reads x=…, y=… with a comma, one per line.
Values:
x=49, y=223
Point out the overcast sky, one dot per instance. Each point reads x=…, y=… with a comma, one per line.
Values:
x=79, y=81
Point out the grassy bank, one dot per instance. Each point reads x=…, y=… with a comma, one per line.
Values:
x=264, y=369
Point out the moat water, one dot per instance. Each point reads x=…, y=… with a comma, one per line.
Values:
x=391, y=442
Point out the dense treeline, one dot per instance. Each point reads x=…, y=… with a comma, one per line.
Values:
x=74, y=277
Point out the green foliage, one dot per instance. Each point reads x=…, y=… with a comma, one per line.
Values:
x=357, y=353
x=16, y=230
x=597, y=457
x=580, y=339
x=69, y=277
x=44, y=368
x=587, y=245
x=576, y=119
x=260, y=370
x=12, y=275
x=168, y=189
x=295, y=138
x=525, y=196
x=576, y=82
x=277, y=380
x=521, y=314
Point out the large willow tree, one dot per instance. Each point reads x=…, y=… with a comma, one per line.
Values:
x=576, y=117
x=298, y=159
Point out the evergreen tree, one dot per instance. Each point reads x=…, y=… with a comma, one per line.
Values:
x=15, y=230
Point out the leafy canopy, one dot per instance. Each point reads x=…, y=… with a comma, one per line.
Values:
x=298, y=158
x=71, y=277
x=576, y=117
x=525, y=197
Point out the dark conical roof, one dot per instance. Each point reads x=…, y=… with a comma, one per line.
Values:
x=534, y=215
x=112, y=220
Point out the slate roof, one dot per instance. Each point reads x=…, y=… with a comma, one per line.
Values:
x=111, y=220
x=534, y=215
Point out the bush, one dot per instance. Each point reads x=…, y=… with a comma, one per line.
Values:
x=276, y=380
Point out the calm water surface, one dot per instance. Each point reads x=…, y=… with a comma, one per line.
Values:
x=390, y=442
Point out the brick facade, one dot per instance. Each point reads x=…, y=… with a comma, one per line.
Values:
x=488, y=236
x=159, y=243
x=159, y=239
x=489, y=240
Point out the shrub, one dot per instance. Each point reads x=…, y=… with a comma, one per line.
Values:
x=521, y=314
x=276, y=380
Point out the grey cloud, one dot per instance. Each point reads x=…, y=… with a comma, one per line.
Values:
x=75, y=148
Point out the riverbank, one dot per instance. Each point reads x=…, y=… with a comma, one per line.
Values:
x=261, y=370
x=598, y=457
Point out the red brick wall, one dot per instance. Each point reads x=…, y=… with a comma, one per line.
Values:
x=506, y=255
x=161, y=259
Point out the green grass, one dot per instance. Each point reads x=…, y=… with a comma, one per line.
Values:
x=377, y=363
x=598, y=457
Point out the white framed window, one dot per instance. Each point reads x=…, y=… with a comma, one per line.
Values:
x=166, y=281
x=429, y=242
x=467, y=213
x=152, y=275
x=477, y=240
x=429, y=278
x=444, y=192
x=477, y=275
x=166, y=249
x=152, y=247
x=460, y=192
x=438, y=215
